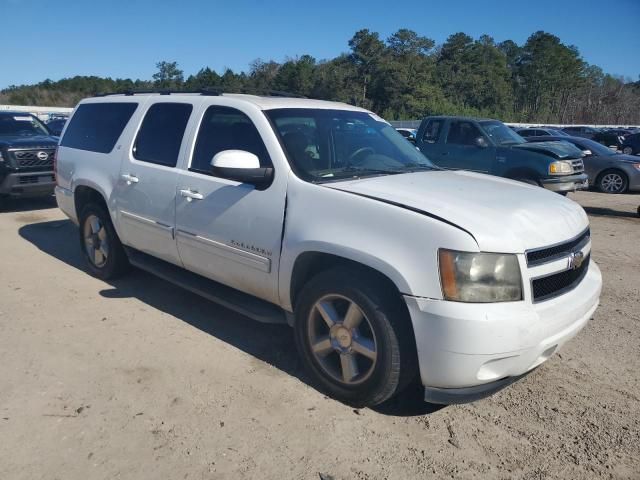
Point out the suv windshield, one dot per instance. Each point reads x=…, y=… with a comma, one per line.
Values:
x=325, y=145
x=500, y=133
x=16, y=124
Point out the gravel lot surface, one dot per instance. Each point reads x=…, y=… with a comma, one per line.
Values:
x=139, y=379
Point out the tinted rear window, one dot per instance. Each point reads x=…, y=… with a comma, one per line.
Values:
x=161, y=133
x=97, y=126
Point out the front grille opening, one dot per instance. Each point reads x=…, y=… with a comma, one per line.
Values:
x=544, y=255
x=31, y=179
x=555, y=285
x=29, y=158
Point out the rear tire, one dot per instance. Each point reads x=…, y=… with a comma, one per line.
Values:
x=612, y=181
x=103, y=252
x=354, y=336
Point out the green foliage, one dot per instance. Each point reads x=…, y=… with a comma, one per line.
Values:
x=405, y=76
x=168, y=75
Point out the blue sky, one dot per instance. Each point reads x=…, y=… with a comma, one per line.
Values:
x=59, y=38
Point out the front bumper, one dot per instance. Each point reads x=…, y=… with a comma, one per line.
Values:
x=467, y=351
x=570, y=183
x=28, y=184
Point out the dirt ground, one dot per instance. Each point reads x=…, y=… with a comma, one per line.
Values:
x=138, y=379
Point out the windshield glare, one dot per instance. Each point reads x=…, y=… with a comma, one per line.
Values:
x=500, y=133
x=21, y=125
x=326, y=145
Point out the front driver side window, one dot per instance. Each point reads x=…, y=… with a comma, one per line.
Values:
x=225, y=128
x=463, y=133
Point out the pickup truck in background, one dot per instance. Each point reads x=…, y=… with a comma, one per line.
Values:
x=489, y=146
x=27, y=150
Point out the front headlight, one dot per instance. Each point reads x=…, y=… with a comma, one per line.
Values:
x=479, y=277
x=561, y=167
x=636, y=166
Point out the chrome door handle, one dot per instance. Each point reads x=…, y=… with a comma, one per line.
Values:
x=130, y=178
x=191, y=195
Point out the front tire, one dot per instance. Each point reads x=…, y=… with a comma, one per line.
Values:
x=355, y=337
x=103, y=252
x=613, y=181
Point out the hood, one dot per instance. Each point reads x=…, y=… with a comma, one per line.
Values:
x=19, y=141
x=559, y=150
x=502, y=215
x=621, y=157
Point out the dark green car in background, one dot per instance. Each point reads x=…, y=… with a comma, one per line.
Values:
x=489, y=146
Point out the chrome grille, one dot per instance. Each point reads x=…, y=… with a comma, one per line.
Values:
x=556, y=284
x=539, y=256
x=578, y=165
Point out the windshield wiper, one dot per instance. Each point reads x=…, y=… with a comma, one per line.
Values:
x=371, y=170
x=413, y=167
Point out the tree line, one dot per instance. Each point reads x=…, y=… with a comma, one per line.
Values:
x=406, y=76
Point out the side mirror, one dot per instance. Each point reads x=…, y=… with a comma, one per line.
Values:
x=481, y=142
x=242, y=167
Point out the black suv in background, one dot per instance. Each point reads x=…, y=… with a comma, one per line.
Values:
x=26, y=156
x=581, y=131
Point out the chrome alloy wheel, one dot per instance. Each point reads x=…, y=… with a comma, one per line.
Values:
x=342, y=339
x=612, y=183
x=96, y=242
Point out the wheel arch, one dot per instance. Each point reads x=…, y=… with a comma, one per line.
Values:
x=87, y=193
x=310, y=263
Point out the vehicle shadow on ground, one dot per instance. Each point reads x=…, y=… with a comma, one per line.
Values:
x=607, y=212
x=273, y=344
x=16, y=205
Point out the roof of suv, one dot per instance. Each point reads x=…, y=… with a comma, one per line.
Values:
x=264, y=103
x=9, y=113
x=459, y=117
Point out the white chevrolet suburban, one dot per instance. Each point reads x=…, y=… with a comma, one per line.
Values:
x=321, y=215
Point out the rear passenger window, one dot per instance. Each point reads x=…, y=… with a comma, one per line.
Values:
x=432, y=131
x=161, y=133
x=225, y=128
x=96, y=127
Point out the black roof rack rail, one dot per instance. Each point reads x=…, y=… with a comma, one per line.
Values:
x=279, y=93
x=204, y=91
x=129, y=93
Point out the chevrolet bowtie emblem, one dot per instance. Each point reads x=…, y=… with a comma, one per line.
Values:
x=575, y=260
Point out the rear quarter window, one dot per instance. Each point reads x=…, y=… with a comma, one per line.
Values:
x=96, y=127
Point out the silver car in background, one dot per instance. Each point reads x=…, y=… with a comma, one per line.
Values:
x=608, y=171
